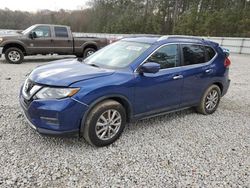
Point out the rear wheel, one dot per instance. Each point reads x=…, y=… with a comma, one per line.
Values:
x=88, y=52
x=14, y=55
x=104, y=123
x=210, y=100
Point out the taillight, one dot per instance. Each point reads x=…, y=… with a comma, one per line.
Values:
x=227, y=62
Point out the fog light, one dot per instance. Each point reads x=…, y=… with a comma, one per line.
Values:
x=51, y=121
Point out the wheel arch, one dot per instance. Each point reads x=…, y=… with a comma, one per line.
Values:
x=220, y=85
x=14, y=45
x=118, y=98
x=89, y=45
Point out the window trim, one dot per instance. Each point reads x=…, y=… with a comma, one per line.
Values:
x=207, y=52
x=178, y=63
x=50, y=31
x=207, y=62
x=145, y=60
x=180, y=56
x=61, y=27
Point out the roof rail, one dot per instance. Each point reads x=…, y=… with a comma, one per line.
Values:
x=165, y=37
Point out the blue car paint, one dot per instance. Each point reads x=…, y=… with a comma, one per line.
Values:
x=142, y=95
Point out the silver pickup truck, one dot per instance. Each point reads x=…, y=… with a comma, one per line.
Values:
x=47, y=39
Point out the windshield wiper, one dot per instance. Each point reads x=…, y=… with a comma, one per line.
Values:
x=93, y=65
x=90, y=64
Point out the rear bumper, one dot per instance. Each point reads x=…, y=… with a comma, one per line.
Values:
x=226, y=86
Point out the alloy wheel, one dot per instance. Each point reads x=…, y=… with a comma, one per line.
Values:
x=212, y=100
x=108, y=124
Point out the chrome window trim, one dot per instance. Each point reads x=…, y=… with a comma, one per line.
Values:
x=208, y=62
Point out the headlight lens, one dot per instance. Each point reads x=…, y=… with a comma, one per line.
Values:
x=56, y=93
x=1, y=39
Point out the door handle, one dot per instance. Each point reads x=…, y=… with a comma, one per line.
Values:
x=208, y=70
x=178, y=77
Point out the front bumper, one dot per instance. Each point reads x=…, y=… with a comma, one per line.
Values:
x=54, y=117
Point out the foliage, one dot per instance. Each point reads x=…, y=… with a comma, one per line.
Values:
x=191, y=17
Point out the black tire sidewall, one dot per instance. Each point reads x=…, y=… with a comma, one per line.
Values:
x=94, y=116
x=17, y=50
x=88, y=50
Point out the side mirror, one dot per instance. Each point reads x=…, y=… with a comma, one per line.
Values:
x=150, y=67
x=33, y=35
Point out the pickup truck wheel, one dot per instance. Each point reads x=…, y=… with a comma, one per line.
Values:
x=210, y=100
x=14, y=55
x=88, y=52
x=104, y=123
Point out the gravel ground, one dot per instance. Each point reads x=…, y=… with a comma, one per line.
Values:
x=182, y=149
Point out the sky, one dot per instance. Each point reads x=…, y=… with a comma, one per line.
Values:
x=34, y=5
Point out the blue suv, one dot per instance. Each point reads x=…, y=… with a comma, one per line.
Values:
x=131, y=79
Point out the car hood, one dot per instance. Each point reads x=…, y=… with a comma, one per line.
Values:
x=11, y=35
x=66, y=72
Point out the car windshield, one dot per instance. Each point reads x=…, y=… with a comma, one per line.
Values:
x=117, y=55
x=26, y=31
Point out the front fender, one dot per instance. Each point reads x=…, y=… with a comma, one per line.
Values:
x=13, y=42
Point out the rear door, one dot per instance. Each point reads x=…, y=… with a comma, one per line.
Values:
x=197, y=72
x=62, y=40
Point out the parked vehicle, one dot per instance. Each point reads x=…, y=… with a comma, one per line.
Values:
x=128, y=80
x=47, y=39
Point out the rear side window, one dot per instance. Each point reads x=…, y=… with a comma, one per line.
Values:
x=166, y=56
x=193, y=54
x=61, y=32
x=210, y=53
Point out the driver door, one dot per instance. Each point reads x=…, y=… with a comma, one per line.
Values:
x=42, y=43
x=160, y=91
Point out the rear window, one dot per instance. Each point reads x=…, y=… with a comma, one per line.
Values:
x=210, y=53
x=61, y=32
x=193, y=54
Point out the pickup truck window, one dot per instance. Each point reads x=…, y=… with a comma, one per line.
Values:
x=42, y=31
x=61, y=32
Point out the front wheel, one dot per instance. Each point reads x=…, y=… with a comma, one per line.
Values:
x=14, y=55
x=104, y=123
x=210, y=100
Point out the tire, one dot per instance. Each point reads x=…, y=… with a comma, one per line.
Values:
x=210, y=100
x=14, y=55
x=99, y=133
x=88, y=52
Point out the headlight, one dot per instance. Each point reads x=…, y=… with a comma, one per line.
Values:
x=56, y=93
x=1, y=39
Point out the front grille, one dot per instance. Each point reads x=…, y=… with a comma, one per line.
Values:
x=30, y=88
x=25, y=102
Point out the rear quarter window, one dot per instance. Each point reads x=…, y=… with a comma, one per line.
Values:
x=210, y=53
